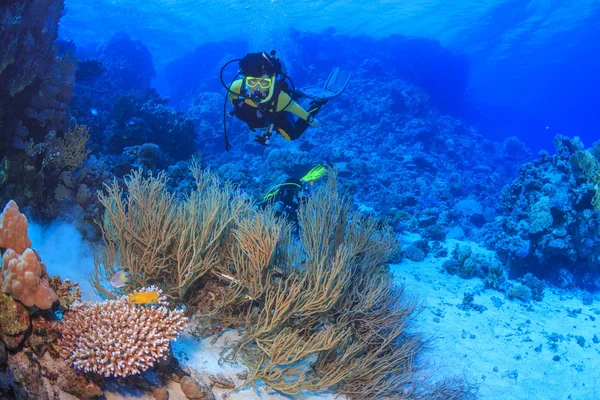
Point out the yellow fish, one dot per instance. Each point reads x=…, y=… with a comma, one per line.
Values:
x=144, y=297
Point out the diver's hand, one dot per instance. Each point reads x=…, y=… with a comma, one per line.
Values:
x=314, y=123
x=264, y=140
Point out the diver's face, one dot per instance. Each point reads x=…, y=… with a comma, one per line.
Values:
x=259, y=91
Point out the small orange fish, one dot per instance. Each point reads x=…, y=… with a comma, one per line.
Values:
x=144, y=297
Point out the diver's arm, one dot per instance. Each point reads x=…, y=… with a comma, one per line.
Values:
x=293, y=107
x=235, y=87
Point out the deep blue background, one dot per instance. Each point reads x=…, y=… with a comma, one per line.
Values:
x=532, y=65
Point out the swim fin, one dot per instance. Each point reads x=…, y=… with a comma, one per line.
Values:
x=315, y=173
x=334, y=86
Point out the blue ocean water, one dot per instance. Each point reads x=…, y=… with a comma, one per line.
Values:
x=532, y=65
x=469, y=129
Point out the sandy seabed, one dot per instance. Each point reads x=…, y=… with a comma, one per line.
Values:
x=505, y=350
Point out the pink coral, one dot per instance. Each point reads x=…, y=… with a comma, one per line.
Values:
x=118, y=337
x=24, y=279
x=13, y=229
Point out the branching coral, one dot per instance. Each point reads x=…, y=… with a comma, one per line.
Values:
x=317, y=313
x=157, y=238
x=118, y=337
x=70, y=150
x=329, y=316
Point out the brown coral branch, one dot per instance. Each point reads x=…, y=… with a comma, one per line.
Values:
x=159, y=239
x=68, y=152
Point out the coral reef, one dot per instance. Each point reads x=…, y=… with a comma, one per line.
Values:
x=121, y=110
x=550, y=226
x=24, y=279
x=127, y=62
x=118, y=337
x=34, y=370
x=14, y=322
x=179, y=241
x=24, y=275
x=24, y=332
x=144, y=117
x=36, y=83
x=13, y=228
x=396, y=154
x=317, y=313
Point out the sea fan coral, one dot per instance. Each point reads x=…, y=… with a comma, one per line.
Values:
x=118, y=337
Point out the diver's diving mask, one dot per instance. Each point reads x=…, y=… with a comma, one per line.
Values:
x=253, y=82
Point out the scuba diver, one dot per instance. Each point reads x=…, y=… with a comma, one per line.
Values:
x=286, y=198
x=262, y=98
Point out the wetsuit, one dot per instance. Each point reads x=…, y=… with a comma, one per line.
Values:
x=289, y=199
x=260, y=116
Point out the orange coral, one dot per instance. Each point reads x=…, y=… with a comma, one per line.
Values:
x=13, y=229
x=118, y=337
x=24, y=281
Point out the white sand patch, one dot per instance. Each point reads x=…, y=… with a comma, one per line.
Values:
x=497, y=348
x=200, y=358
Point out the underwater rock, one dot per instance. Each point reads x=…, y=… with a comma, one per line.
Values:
x=3, y=354
x=456, y=233
x=83, y=195
x=194, y=390
x=221, y=381
x=148, y=155
x=68, y=380
x=413, y=253
x=14, y=322
x=165, y=361
x=43, y=334
x=23, y=378
x=160, y=394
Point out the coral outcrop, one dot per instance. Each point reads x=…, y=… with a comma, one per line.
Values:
x=24, y=279
x=24, y=274
x=550, y=225
x=36, y=84
x=13, y=229
x=118, y=337
x=14, y=322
